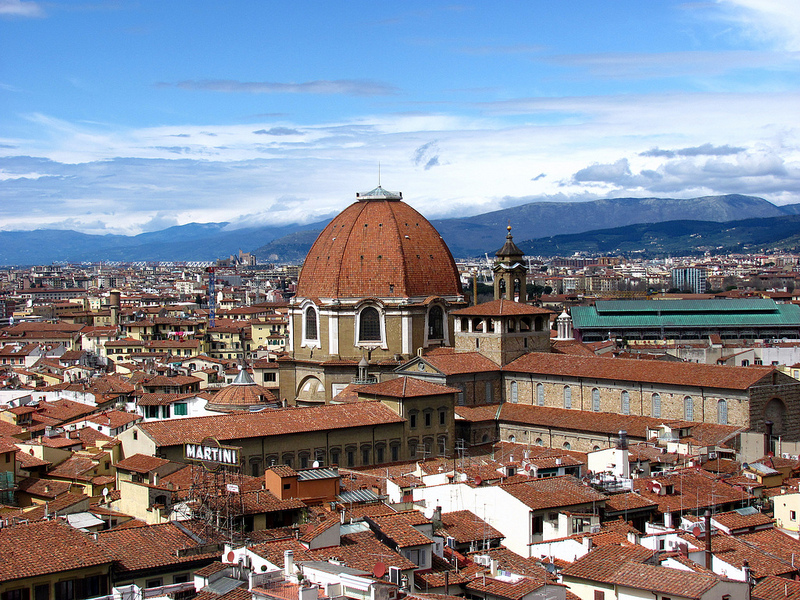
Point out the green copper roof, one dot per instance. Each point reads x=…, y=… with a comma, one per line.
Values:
x=613, y=314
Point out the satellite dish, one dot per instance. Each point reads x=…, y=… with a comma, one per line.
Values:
x=528, y=467
x=315, y=464
x=478, y=480
x=697, y=532
x=105, y=492
x=230, y=556
x=379, y=570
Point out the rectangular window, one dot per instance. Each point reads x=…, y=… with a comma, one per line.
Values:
x=427, y=419
x=395, y=453
x=151, y=412
x=19, y=594
x=351, y=458
x=151, y=583
x=599, y=595
x=165, y=411
x=41, y=592
x=379, y=454
x=442, y=417
x=181, y=409
x=412, y=420
x=365, y=456
x=64, y=590
x=270, y=377
x=792, y=515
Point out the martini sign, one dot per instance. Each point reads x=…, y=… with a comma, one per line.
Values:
x=212, y=454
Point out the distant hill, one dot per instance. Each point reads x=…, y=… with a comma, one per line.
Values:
x=472, y=236
x=193, y=241
x=676, y=238
x=468, y=236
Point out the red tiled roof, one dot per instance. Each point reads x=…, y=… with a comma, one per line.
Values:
x=776, y=588
x=269, y=422
x=664, y=580
x=734, y=520
x=602, y=563
x=405, y=387
x=501, y=308
x=488, y=586
x=456, y=363
x=380, y=248
x=34, y=549
x=465, y=526
x=141, y=463
x=552, y=492
x=622, y=369
x=149, y=547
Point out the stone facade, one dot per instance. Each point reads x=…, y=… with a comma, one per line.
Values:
x=597, y=395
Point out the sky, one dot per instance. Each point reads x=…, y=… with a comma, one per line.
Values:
x=122, y=116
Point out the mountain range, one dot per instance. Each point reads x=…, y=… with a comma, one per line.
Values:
x=608, y=220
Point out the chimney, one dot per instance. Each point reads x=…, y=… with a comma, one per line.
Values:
x=708, y=539
x=288, y=563
x=623, y=440
x=437, y=517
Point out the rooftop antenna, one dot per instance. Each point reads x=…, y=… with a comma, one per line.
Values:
x=379, y=173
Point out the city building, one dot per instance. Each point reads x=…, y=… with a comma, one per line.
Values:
x=379, y=284
x=691, y=279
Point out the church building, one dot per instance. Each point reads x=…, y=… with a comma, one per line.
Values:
x=378, y=286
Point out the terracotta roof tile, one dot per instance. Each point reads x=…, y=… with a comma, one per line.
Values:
x=380, y=248
x=34, y=549
x=269, y=422
x=621, y=369
x=149, y=547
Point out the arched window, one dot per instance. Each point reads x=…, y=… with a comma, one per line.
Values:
x=539, y=442
x=567, y=397
x=626, y=402
x=514, y=392
x=311, y=323
x=656, y=410
x=688, y=408
x=435, y=323
x=540, y=394
x=369, y=325
x=566, y=446
x=512, y=438
x=722, y=412
x=595, y=400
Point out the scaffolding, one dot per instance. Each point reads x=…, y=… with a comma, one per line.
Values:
x=216, y=502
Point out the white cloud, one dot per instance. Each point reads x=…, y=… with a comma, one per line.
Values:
x=774, y=23
x=647, y=145
x=20, y=8
x=349, y=87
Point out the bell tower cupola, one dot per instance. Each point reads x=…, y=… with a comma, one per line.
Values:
x=510, y=273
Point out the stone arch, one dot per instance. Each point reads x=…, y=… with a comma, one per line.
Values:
x=311, y=388
x=775, y=411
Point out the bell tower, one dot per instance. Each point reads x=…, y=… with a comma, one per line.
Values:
x=510, y=272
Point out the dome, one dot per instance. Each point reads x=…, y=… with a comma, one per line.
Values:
x=379, y=247
x=242, y=394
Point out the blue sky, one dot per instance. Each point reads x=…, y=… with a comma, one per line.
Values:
x=122, y=117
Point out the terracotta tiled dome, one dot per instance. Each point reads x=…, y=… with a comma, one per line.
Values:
x=379, y=247
x=242, y=394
